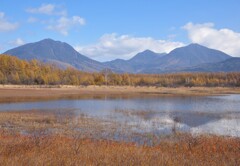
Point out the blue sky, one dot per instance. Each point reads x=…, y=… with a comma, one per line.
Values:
x=107, y=29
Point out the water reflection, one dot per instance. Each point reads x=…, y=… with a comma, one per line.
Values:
x=152, y=113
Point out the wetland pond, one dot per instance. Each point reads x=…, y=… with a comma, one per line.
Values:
x=218, y=115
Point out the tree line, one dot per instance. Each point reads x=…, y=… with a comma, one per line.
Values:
x=16, y=71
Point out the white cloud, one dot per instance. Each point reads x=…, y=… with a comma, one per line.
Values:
x=112, y=46
x=48, y=9
x=32, y=20
x=225, y=40
x=17, y=42
x=43, y=9
x=64, y=24
x=6, y=25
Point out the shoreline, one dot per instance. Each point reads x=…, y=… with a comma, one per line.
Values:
x=39, y=90
x=23, y=93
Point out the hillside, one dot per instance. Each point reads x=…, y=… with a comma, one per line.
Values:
x=59, y=53
x=137, y=63
x=229, y=65
x=178, y=59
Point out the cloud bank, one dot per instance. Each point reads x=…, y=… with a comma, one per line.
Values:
x=64, y=24
x=17, y=42
x=112, y=46
x=59, y=20
x=205, y=34
x=48, y=9
x=5, y=25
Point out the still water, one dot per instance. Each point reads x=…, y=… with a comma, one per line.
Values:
x=210, y=114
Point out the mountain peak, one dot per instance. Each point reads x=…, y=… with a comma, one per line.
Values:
x=146, y=51
x=49, y=50
x=146, y=55
x=192, y=55
x=196, y=46
x=49, y=40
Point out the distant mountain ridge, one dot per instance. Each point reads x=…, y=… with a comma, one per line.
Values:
x=188, y=56
x=229, y=65
x=191, y=58
x=192, y=55
x=137, y=63
x=59, y=53
x=177, y=59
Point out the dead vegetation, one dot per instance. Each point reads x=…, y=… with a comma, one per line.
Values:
x=60, y=150
x=60, y=139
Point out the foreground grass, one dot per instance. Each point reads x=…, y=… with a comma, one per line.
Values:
x=59, y=150
x=64, y=146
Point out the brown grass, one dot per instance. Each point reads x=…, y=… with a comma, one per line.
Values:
x=66, y=146
x=18, y=93
x=60, y=150
x=8, y=90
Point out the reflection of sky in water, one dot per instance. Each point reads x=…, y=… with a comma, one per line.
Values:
x=192, y=112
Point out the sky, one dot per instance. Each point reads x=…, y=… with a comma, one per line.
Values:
x=110, y=29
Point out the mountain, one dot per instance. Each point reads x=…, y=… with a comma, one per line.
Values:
x=146, y=57
x=188, y=56
x=56, y=52
x=176, y=60
x=137, y=63
x=229, y=65
x=191, y=58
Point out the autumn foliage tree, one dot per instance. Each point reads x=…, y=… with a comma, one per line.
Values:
x=16, y=71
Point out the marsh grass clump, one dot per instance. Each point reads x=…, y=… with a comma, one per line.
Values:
x=144, y=114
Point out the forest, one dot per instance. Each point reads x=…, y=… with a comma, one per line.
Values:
x=34, y=72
